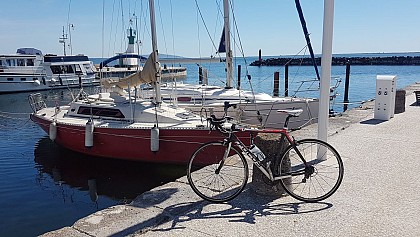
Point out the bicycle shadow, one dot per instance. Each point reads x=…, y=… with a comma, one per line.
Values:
x=245, y=208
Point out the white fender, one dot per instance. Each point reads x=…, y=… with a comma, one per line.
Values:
x=53, y=131
x=37, y=83
x=154, y=139
x=89, y=134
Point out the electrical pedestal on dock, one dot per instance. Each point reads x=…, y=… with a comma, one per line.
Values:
x=385, y=97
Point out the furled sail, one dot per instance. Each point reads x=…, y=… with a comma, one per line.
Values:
x=145, y=76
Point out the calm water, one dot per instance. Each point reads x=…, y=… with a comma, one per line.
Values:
x=44, y=187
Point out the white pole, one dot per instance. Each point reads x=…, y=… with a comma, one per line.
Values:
x=229, y=63
x=326, y=59
x=158, y=98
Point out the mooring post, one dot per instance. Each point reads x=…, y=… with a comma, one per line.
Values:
x=80, y=81
x=200, y=75
x=239, y=77
x=286, y=80
x=276, y=84
x=271, y=145
x=346, y=87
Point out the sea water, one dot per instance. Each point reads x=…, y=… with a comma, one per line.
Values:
x=44, y=187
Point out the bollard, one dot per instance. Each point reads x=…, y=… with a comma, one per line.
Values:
x=239, y=77
x=276, y=84
x=346, y=87
x=272, y=146
x=286, y=80
x=399, y=101
x=200, y=75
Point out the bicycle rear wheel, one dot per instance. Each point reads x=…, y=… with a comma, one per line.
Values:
x=316, y=181
x=214, y=180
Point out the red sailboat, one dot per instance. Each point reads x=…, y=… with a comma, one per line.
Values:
x=115, y=125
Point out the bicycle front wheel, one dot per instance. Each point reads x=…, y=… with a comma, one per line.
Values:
x=319, y=178
x=214, y=177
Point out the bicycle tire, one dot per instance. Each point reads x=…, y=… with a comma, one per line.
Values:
x=327, y=173
x=210, y=185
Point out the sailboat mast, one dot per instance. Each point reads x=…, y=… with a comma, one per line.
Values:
x=229, y=61
x=156, y=84
x=306, y=33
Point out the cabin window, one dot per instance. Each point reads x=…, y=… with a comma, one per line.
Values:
x=23, y=79
x=10, y=78
x=67, y=69
x=30, y=62
x=62, y=69
x=21, y=62
x=56, y=69
x=88, y=68
x=101, y=112
x=34, y=78
x=11, y=62
x=78, y=69
x=1, y=62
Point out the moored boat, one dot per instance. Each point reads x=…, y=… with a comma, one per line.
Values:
x=257, y=109
x=30, y=70
x=162, y=134
x=129, y=63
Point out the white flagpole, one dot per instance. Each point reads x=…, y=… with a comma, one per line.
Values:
x=326, y=60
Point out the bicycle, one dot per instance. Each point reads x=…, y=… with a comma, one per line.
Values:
x=309, y=170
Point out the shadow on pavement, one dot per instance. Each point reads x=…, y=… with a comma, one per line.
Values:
x=245, y=208
x=372, y=121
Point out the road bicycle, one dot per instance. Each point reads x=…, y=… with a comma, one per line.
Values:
x=309, y=170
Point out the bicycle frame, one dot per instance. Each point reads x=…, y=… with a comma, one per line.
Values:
x=230, y=138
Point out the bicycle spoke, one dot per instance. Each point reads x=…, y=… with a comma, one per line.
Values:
x=315, y=178
x=218, y=183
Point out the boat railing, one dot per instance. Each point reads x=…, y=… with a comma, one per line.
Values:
x=24, y=70
x=36, y=102
x=307, y=86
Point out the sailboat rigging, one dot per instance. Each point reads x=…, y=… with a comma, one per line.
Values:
x=252, y=108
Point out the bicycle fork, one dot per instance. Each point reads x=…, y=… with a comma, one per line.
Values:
x=227, y=151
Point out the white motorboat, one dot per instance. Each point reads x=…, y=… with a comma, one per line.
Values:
x=258, y=109
x=30, y=70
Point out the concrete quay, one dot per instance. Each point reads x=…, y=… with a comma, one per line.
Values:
x=379, y=195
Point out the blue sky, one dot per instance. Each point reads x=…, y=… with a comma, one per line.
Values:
x=360, y=26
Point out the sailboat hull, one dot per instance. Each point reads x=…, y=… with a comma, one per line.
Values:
x=175, y=145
